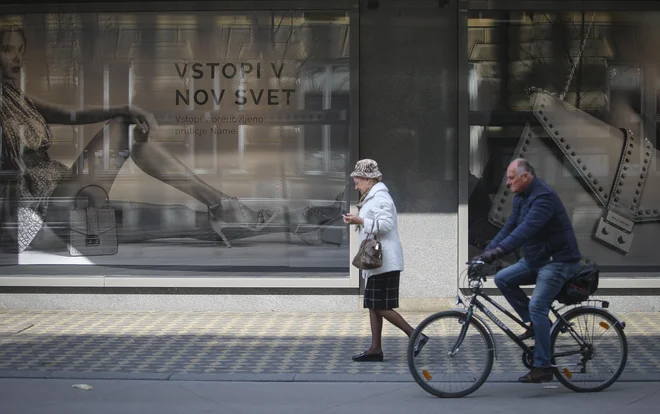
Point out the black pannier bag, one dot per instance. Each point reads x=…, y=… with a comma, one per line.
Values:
x=579, y=287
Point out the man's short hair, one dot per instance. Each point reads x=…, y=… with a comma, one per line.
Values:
x=525, y=167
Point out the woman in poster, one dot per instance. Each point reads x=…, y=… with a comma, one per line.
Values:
x=26, y=138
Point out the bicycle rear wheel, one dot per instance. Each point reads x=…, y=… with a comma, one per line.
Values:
x=444, y=373
x=591, y=352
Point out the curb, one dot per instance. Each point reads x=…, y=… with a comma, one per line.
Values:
x=184, y=376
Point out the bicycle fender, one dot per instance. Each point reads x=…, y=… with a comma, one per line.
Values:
x=483, y=322
x=619, y=322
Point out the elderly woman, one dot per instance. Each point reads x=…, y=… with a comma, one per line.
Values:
x=377, y=214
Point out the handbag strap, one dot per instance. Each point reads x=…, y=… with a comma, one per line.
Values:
x=371, y=232
x=107, y=196
x=91, y=222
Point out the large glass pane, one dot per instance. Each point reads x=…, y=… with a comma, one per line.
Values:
x=247, y=144
x=576, y=94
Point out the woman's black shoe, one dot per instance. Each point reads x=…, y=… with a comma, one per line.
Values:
x=368, y=357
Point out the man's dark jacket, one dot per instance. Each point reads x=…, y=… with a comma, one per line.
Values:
x=539, y=223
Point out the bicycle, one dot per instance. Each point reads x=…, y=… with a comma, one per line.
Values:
x=575, y=354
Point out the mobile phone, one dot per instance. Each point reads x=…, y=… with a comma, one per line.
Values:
x=142, y=125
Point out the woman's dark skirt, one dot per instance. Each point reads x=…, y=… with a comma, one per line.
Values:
x=382, y=291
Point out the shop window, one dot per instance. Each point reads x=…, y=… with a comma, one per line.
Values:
x=560, y=89
x=252, y=147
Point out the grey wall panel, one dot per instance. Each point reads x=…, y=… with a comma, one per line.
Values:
x=408, y=123
x=408, y=111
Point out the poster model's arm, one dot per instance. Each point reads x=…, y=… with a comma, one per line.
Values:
x=61, y=115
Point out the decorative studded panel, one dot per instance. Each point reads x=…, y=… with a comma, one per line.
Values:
x=616, y=188
x=503, y=202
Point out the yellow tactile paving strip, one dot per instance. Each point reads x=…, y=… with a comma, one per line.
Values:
x=246, y=343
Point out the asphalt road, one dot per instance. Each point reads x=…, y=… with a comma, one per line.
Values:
x=26, y=396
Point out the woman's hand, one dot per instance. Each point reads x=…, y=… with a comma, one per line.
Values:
x=144, y=120
x=353, y=219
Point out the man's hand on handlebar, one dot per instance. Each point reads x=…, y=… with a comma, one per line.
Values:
x=489, y=256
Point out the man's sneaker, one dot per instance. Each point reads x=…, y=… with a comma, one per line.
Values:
x=421, y=341
x=537, y=375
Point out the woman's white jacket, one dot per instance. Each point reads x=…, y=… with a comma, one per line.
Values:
x=378, y=210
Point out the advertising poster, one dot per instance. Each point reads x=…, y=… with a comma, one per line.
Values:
x=157, y=143
x=576, y=94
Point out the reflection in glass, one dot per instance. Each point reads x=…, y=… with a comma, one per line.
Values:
x=596, y=64
x=266, y=106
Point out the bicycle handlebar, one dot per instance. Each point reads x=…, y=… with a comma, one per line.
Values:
x=475, y=262
x=475, y=269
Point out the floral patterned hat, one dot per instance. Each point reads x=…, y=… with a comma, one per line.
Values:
x=367, y=168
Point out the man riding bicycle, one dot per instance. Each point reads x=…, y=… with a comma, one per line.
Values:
x=540, y=225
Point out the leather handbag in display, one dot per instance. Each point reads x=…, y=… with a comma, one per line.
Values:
x=93, y=231
x=606, y=177
x=370, y=254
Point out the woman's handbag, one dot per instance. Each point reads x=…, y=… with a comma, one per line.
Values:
x=92, y=230
x=370, y=255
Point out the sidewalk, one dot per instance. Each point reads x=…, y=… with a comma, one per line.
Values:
x=243, y=346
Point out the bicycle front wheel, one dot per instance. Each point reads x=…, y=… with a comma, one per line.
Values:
x=590, y=350
x=455, y=361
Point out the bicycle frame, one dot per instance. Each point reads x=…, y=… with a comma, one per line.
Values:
x=566, y=322
x=475, y=302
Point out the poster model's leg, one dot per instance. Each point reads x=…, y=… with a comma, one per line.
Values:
x=224, y=211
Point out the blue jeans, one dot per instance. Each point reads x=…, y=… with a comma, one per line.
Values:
x=549, y=280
